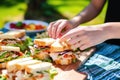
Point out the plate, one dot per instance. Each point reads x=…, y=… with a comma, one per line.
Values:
x=7, y=25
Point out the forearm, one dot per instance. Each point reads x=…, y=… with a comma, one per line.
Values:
x=113, y=30
x=90, y=12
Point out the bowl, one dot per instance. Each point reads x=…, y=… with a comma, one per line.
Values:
x=27, y=22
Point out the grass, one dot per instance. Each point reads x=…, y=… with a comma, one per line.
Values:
x=68, y=8
x=14, y=13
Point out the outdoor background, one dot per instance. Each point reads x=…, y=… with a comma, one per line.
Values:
x=45, y=10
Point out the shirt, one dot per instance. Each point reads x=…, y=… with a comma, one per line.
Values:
x=113, y=15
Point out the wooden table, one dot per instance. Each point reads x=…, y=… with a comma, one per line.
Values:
x=68, y=72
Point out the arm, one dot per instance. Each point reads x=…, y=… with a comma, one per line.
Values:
x=60, y=27
x=113, y=28
x=90, y=12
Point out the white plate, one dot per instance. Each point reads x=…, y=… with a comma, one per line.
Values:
x=7, y=25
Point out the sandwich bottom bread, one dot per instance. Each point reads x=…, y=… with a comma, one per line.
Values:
x=30, y=69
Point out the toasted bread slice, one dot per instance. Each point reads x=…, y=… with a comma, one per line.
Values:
x=59, y=46
x=3, y=65
x=21, y=66
x=44, y=41
x=38, y=67
x=11, y=64
x=9, y=48
x=13, y=34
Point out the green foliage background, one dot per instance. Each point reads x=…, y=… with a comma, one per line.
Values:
x=14, y=10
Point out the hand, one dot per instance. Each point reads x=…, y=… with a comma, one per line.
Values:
x=58, y=28
x=84, y=37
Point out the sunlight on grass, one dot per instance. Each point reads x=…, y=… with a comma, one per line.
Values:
x=13, y=13
x=68, y=8
x=72, y=8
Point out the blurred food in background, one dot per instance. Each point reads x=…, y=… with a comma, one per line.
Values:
x=31, y=26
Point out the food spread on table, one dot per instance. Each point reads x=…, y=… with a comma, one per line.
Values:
x=22, y=58
x=30, y=26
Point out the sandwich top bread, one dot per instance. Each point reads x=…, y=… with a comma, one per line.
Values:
x=58, y=46
x=54, y=45
x=13, y=34
x=29, y=69
x=41, y=48
x=9, y=48
x=11, y=65
x=44, y=41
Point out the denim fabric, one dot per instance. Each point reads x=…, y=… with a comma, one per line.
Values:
x=104, y=64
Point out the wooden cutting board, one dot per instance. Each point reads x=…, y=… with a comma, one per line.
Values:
x=68, y=72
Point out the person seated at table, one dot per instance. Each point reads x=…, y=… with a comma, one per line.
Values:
x=88, y=36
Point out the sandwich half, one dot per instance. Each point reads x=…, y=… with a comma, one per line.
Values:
x=12, y=37
x=41, y=48
x=62, y=54
x=8, y=53
x=16, y=38
x=13, y=34
x=30, y=69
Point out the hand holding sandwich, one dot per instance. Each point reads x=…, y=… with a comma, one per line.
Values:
x=84, y=37
x=58, y=28
x=81, y=37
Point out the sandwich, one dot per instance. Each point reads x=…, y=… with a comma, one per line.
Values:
x=16, y=38
x=41, y=48
x=10, y=66
x=13, y=34
x=62, y=54
x=39, y=71
x=29, y=69
x=8, y=53
x=54, y=50
x=12, y=37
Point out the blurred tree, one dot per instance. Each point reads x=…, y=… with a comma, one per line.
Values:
x=41, y=10
x=10, y=3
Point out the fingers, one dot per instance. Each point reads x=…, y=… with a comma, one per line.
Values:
x=49, y=29
x=71, y=34
x=81, y=45
x=82, y=42
x=77, y=42
x=85, y=46
x=55, y=28
x=60, y=28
